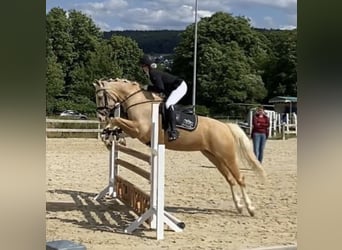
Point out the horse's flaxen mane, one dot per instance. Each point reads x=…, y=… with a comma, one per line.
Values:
x=124, y=80
x=118, y=80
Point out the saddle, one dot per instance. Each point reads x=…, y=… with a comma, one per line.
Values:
x=185, y=117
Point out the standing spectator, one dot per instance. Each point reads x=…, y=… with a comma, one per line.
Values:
x=261, y=124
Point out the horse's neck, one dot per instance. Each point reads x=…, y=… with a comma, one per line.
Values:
x=142, y=110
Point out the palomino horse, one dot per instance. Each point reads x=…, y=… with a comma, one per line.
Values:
x=225, y=145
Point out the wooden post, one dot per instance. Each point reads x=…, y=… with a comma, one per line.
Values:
x=283, y=130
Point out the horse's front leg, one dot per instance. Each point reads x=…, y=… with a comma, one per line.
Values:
x=129, y=127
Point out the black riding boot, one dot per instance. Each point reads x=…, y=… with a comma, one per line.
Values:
x=173, y=133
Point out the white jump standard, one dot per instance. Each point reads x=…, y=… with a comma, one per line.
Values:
x=155, y=213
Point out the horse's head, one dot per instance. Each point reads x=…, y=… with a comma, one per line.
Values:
x=110, y=94
x=104, y=102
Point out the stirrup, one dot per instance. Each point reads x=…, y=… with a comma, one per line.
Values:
x=173, y=135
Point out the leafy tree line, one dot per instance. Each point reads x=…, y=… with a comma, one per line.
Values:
x=235, y=63
x=77, y=54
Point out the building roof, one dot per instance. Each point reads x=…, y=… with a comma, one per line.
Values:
x=283, y=99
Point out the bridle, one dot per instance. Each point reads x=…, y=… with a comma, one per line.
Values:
x=108, y=111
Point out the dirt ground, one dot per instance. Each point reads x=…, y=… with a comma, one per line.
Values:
x=195, y=192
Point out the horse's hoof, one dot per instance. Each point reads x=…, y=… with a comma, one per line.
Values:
x=251, y=212
x=181, y=225
x=122, y=141
x=239, y=209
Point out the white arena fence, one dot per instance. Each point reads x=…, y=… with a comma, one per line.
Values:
x=280, y=124
x=56, y=128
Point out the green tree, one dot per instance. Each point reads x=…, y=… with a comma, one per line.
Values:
x=78, y=55
x=280, y=74
x=54, y=79
x=73, y=37
x=58, y=34
x=86, y=37
x=230, y=57
x=126, y=54
x=101, y=63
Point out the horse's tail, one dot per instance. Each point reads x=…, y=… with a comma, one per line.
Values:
x=244, y=150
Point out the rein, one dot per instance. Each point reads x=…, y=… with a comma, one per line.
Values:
x=138, y=103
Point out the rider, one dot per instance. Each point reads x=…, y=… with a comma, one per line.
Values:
x=173, y=87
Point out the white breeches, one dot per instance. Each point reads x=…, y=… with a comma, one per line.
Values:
x=176, y=95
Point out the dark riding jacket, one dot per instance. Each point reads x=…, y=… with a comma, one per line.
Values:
x=163, y=82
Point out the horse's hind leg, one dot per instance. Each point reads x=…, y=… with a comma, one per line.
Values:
x=233, y=167
x=230, y=179
x=230, y=170
x=248, y=202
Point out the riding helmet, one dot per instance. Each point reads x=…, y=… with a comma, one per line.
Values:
x=146, y=60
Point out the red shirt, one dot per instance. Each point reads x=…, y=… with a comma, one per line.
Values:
x=260, y=124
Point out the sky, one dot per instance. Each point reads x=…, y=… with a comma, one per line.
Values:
x=178, y=14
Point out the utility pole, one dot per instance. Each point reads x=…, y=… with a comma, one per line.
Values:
x=195, y=60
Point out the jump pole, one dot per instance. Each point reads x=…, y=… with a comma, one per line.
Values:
x=156, y=210
x=110, y=191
